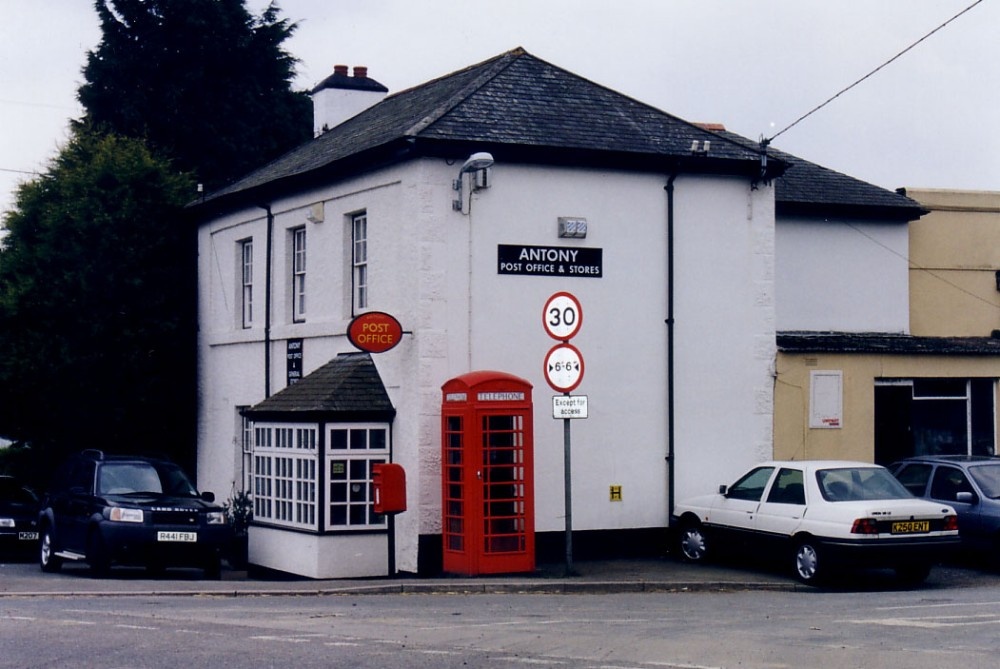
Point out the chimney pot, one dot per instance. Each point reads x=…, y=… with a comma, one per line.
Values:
x=360, y=72
x=340, y=69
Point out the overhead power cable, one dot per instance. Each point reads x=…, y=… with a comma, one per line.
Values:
x=867, y=76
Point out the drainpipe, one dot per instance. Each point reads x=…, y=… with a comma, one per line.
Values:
x=670, y=345
x=268, y=252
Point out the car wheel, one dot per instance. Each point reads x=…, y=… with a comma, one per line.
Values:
x=809, y=566
x=693, y=542
x=912, y=574
x=97, y=555
x=47, y=558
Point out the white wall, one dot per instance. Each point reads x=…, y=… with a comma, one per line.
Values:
x=426, y=260
x=842, y=276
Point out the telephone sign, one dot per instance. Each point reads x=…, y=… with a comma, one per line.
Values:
x=562, y=316
x=564, y=367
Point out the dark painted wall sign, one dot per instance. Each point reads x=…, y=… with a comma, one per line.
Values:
x=561, y=261
x=293, y=361
x=375, y=331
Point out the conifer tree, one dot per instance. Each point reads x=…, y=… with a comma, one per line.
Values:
x=204, y=82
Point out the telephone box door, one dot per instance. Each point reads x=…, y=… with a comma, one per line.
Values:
x=488, y=475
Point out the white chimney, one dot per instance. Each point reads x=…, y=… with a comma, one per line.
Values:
x=341, y=96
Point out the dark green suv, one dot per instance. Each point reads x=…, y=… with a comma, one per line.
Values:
x=107, y=510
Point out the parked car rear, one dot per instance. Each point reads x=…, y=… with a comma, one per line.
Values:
x=969, y=483
x=18, y=517
x=820, y=516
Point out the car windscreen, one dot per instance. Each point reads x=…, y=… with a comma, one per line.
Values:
x=124, y=478
x=988, y=478
x=853, y=484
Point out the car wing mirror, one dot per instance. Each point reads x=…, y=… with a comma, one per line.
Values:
x=723, y=489
x=965, y=497
x=208, y=496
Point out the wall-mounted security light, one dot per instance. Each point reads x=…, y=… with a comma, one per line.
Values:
x=572, y=227
x=476, y=163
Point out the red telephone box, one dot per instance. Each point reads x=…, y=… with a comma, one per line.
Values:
x=488, y=496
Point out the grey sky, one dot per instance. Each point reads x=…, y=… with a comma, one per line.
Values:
x=926, y=120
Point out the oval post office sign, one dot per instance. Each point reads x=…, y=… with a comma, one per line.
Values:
x=375, y=331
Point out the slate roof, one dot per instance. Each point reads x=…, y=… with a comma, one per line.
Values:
x=808, y=189
x=514, y=105
x=348, y=388
x=886, y=344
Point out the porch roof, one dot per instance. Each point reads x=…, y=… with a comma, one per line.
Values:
x=347, y=388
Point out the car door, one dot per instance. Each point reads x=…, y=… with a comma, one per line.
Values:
x=736, y=510
x=73, y=515
x=781, y=512
x=946, y=483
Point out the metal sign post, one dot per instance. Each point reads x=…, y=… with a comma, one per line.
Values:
x=568, y=493
x=562, y=318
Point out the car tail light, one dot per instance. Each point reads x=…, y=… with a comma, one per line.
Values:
x=950, y=523
x=864, y=526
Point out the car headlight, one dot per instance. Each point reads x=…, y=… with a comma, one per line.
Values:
x=215, y=518
x=120, y=515
x=6, y=522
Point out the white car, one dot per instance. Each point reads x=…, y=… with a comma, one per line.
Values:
x=821, y=515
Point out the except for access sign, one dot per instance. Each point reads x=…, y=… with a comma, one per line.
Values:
x=564, y=367
x=569, y=406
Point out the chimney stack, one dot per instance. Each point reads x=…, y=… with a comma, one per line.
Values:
x=340, y=97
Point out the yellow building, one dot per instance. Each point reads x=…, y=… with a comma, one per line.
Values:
x=882, y=394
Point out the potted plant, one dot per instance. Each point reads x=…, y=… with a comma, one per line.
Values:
x=239, y=514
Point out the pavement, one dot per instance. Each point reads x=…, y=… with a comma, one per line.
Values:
x=25, y=579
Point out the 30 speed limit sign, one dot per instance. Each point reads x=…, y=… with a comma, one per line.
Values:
x=562, y=316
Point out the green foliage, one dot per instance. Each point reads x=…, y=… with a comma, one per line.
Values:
x=203, y=81
x=239, y=512
x=96, y=304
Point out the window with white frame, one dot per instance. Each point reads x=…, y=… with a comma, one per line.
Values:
x=352, y=452
x=285, y=475
x=244, y=450
x=246, y=291
x=359, y=238
x=298, y=274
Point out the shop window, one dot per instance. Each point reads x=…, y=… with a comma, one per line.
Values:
x=285, y=472
x=939, y=416
x=353, y=451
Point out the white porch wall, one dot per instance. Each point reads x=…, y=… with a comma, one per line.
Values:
x=425, y=259
x=845, y=277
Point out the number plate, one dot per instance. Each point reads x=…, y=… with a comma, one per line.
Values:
x=185, y=537
x=910, y=527
x=27, y=536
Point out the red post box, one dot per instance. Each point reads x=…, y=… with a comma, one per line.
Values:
x=389, y=484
